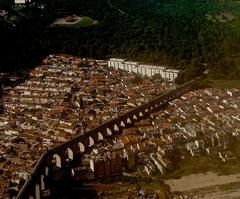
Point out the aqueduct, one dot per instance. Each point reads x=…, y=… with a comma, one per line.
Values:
x=68, y=155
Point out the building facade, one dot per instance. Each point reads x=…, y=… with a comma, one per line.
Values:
x=142, y=69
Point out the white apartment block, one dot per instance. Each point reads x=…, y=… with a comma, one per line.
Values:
x=142, y=69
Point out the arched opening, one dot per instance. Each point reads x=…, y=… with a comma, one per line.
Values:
x=116, y=128
x=122, y=124
x=57, y=161
x=91, y=141
x=140, y=114
x=69, y=154
x=91, y=162
x=146, y=110
x=129, y=121
x=134, y=117
x=46, y=171
x=81, y=147
x=100, y=136
x=72, y=173
x=109, y=132
x=42, y=182
x=37, y=191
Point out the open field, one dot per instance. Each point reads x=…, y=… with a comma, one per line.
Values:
x=197, y=181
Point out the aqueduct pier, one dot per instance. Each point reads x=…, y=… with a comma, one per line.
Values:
x=67, y=156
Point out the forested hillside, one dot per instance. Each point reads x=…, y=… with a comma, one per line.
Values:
x=188, y=35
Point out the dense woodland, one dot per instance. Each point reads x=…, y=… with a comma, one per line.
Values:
x=176, y=33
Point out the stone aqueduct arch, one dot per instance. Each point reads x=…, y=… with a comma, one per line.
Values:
x=88, y=141
x=67, y=154
x=56, y=158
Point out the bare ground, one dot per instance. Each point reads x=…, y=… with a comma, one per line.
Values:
x=197, y=181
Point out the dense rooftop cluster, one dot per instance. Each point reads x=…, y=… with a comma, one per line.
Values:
x=211, y=116
x=64, y=97
x=200, y=123
x=67, y=96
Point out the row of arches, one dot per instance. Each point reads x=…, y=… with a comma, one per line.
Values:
x=82, y=144
x=90, y=141
x=40, y=186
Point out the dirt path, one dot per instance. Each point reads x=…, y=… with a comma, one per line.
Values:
x=197, y=181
